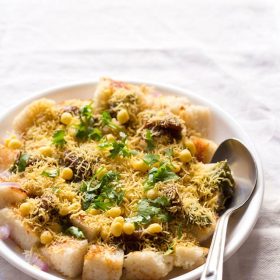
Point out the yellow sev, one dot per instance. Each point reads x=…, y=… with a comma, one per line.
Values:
x=50, y=194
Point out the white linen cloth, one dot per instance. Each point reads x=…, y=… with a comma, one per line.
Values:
x=227, y=51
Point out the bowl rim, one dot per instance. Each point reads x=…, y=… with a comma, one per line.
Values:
x=15, y=260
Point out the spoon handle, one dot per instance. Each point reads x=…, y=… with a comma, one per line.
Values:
x=214, y=265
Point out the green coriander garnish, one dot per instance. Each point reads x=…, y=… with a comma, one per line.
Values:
x=86, y=129
x=149, y=210
x=76, y=232
x=150, y=159
x=58, y=138
x=20, y=164
x=117, y=148
x=149, y=140
x=157, y=174
x=51, y=173
x=102, y=194
x=107, y=120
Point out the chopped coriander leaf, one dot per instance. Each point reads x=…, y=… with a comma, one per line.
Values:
x=112, y=194
x=163, y=173
x=108, y=197
x=76, y=232
x=82, y=132
x=169, y=250
x=58, y=138
x=146, y=210
x=107, y=120
x=119, y=196
x=117, y=148
x=105, y=144
x=151, y=209
x=51, y=173
x=135, y=219
x=95, y=134
x=150, y=159
x=20, y=164
x=86, y=112
x=102, y=194
x=163, y=217
x=91, y=186
x=161, y=201
x=86, y=129
x=87, y=200
x=99, y=204
x=86, y=186
x=149, y=140
x=109, y=177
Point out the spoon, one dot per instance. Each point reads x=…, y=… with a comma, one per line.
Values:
x=244, y=172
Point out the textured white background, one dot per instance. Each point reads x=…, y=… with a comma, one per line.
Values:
x=227, y=51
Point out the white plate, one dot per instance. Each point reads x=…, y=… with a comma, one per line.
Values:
x=223, y=126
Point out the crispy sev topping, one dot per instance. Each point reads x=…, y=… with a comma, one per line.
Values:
x=123, y=171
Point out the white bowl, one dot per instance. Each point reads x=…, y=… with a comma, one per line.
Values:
x=223, y=126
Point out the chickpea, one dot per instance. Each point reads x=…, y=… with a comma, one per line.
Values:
x=66, y=118
x=122, y=116
x=63, y=211
x=190, y=146
x=46, y=237
x=185, y=156
x=116, y=229
x=128, y=228
x=152, y=194
x=14, y=144
x=67, y=173
x=119, y=219
x=93, y=211
x=8, y=140
x=26, y=208
x=46, y=151
x=154, y=228
x=176, y=167
x=139, y=165
x=114, y=212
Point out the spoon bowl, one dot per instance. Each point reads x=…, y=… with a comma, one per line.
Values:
x=243, y=167
x=244, y=171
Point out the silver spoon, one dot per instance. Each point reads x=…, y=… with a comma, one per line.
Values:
x=244, y=171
